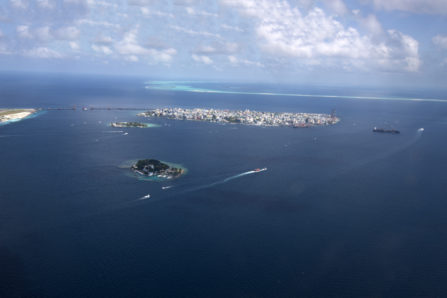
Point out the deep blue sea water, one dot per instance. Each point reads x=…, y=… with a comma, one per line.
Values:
x=341, y=211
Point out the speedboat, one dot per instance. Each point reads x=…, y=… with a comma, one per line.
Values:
x=146, y=197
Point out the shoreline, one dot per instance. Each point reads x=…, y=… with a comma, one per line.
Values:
x=8, y=116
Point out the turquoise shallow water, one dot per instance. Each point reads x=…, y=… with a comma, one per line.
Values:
x=181, y=86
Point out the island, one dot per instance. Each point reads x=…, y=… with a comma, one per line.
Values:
x=130, y=124
x=247, y=117
x=157, y=169
x=14, y=115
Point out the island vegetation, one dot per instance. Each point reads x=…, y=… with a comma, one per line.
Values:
x=156, y=168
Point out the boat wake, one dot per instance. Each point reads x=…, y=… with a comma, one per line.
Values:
x=226, y=180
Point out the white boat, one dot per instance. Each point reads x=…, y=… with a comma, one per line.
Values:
x=166, y=187
x=146, y=197
x=421, y=129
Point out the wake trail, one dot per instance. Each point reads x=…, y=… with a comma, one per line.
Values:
x=222, y=181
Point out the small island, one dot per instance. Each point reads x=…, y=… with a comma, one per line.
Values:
x=14, y=115
x=130, y=124
x=156, y=169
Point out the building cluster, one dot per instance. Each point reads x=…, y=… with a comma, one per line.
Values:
x=244, y=117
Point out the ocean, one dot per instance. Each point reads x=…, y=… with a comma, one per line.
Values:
x=340, y=212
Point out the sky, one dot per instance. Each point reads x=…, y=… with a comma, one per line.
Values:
x=334, y=42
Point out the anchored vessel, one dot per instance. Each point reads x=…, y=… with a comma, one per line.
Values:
x=392, y=131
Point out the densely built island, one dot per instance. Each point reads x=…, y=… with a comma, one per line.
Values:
x=245, y=117
x=157, y=169
x=10, y=115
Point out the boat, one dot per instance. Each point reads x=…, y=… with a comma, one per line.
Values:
x=383, y=130
x=421, y=129
x=166, y=187
x=146, y=197
x=260, y=170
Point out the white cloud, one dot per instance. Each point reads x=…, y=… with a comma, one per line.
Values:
x=440, y=41
x=371, y=24
x=47, y=34
x=20, y=4
x=141, y=2
x=102, y=49
x=104, y=40
x=67, y=33
x=195, y=12
x=202, y=58
x=45, y=4
x=74, y=45
x=403, y=52
x=197, y=33
x=132, y=58
x=129, y=46
x=231, y=28
x=163, y=56
x=103, y=4
x=284, y=31
x=148, y=12
x=43, y=52
x=98, y=23
x=43, y=34
x=237, y=61
x=336, y=6
x=414, y=6
x=23, y=31
x=218, y=49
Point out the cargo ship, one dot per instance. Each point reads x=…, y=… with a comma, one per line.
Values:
x=393, y=131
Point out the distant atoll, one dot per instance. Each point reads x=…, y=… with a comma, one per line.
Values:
x=14, y=115
x=133, y=124
x=247, y=117
x=157, y=170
